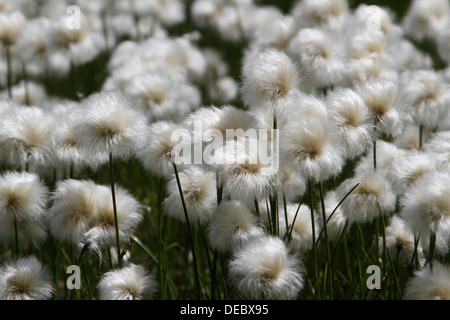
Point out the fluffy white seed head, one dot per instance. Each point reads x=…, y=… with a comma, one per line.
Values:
x=400, y=241
x=425, y=206
x=132, y=282
x=263, y=268
x=270, y=77
x=351, y=117
x=308, y=145
x=25, y=279
x=372, y=193
x=438, y=146
x=11, y=25
x=74, y=210
x=232, y=225
x=23, y=197
x=429, y=284
x=108, y=123
x=199, y=193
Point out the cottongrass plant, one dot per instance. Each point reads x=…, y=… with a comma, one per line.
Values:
x=224, y=150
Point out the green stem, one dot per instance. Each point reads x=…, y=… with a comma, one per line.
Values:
x=116, y=220
x=8, y=71
x=313, y=226
x=191, y=239
x=327, y=241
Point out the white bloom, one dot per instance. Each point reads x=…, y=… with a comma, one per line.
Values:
x=270, y=77
x=438, y=146
x=263, y=268
x=74, y=210
x=11, y=25
x=23, y=197
x=372, y=193
x=232, y=225
x=326, y=14
x=320, y=60
x=428, y=284
x=107, y=123
x=199, y=193
x=129, y=283
x=309, y=146
x=426, y=207
x=426, y=18
x=400, y=241
x=350, y=115
x=25, y=279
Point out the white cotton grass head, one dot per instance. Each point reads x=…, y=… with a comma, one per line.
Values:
x=129, y=215
x=309, y=146
x=264, y=269
x=168, y=13
x=11, y=25
x=131, y=282
x=155, y=156
x=68, y=151
x=425, y=206
x=372, y=193
x=243, y=171
x=351, y=117
x=74, y=209
x=23, y=197
x=425, y=97
x=429, y=284
x=277, y=34
x=408, y=168
x=409, y=138
x=400, y=241
x=25, y=138
x=291, y=184
x=224, y=90
x=25, y=279
x=199, y=193
x=425, y=19
x=438, y=146
x=258, y=20
x=381, y=97
x=324, y=14
x=109, y=124
x=301, y=238
x=320, y=60
x=367, y=43
x=232, y=225
x=270, y=77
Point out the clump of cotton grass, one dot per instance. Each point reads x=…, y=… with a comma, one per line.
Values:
x=324, y=14
x=199, y=194
x=425, y=96
x=309, y=146
x=156, y=155
x=429, y=284
x=23, y=201
x=426, y=19
x=74, y=209
x=407, y=168
x=296, y=226
x=232, y=225
x=107, y=123
x=381, y=97
x=25, y=138
x=69, y=154
x=264, y=269
x=131, y=282
x=271, y=77
x=350, y=115
x=400, y=241
x=244, y=170
x=373, y=192
x=321, y=62
x=25, y=279
x=425, y=206
x=438, y=147
x=291, y=184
